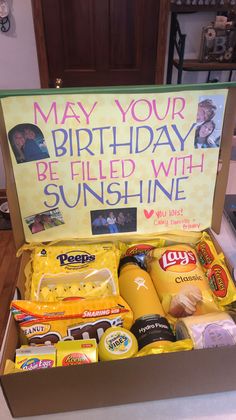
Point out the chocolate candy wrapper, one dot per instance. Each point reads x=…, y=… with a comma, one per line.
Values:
x=221, y=282
x=76, y=352
x=140, y=249
x=48, y=323
x=206, y=250
x=180, y=281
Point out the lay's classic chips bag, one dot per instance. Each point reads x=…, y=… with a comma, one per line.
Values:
x=180, y=281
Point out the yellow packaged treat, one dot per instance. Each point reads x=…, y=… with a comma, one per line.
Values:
x=63, y=271
x=76, y=352
x=206, y=250
x=166, y=347
x=30, y=358
x=221, y=282
x=50, y=322
x=10, y=368
x=180, y=281
x=140, y=249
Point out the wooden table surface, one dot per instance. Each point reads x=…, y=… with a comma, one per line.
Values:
x=9, y=266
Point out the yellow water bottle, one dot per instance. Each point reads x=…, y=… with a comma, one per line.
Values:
x=150, y=327
x=137, y=289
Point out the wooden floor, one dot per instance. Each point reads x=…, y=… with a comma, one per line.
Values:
x=9, y=266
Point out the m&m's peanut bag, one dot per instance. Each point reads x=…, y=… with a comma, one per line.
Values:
x=50, y=322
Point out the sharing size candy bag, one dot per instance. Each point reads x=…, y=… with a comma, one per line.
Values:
x=48, y=323
x=180, y=281
x=80, y=270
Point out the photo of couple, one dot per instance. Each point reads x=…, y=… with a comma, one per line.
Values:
x=120, y=220
x=209, y=122
x=45, y=220
x=27, y=143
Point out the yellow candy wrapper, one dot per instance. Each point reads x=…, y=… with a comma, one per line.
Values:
x=221, y=282
x=206, y=250
x=140, y=249
x=180, y=281
x=80, y=270
x=49, y=322
x=76, y=352
x=10, y=368
x=166, y=347
x=32, y=357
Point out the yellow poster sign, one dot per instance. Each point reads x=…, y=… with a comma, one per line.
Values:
x=94, y=164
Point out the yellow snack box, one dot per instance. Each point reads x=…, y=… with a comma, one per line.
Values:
x=76, y=352
x=80, y=270
x=32, y=357
x=50, y=322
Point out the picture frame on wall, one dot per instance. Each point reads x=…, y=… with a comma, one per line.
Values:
x=217, y=45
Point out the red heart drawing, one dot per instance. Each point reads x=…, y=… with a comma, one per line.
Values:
x=148, y=214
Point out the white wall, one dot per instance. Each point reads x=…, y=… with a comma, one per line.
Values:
x=18, y=57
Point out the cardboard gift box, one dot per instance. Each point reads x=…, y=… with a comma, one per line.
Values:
x=136, y=150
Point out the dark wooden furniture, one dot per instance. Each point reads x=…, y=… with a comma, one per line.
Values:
x=177, y=43
x=100, y=42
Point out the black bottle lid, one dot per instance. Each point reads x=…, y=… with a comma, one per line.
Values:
x=127, y=260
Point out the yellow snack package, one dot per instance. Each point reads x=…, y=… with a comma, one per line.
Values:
x=221, y=282
x=180, y=281
x=10, y=368
x=206, y=250
x=32, y=357
x=50, y=322
x=140, y=249
x=76, y=352
x=166, y=347
x=64, y=271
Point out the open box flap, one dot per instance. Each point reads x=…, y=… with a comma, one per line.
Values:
x=179, y=179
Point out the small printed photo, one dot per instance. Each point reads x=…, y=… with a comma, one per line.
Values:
x=27, y=143
x=43, y=221
x=113, y=221
x=209, y=121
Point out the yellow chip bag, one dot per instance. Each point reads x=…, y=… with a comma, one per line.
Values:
x=48, y=323
x=180, y=281
x=221, y=282
x=206, y=250
x=64, y=271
